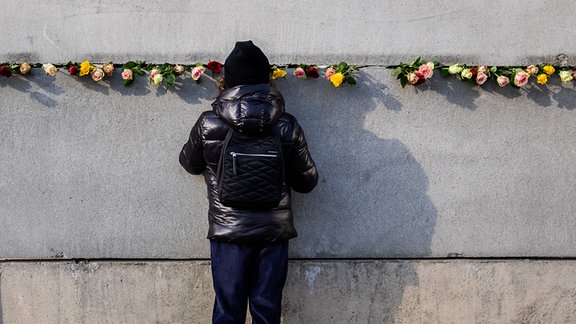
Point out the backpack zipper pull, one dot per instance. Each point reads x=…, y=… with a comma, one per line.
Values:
x=234, y=158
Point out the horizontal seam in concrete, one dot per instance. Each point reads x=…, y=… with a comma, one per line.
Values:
x=498, y=259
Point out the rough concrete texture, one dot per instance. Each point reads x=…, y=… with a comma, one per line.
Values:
x=457, y=291
x=495, y=32
x=91, y=170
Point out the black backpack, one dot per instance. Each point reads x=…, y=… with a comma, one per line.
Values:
x=250, y=172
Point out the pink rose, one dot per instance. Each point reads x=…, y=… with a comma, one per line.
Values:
x=299, y=73
x=153, y=73
x=98, y=74
x=483, y=69
x=197, y=72
x=481, y=78
x=426, y=71
x=503, y=81
x=520, y=79
x=127, y=74
x=329, y=72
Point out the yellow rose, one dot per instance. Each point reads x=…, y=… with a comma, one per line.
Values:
x=542, y=78
x=548, y=69
x=337, y=79
x=85, y=68
x=278, y=73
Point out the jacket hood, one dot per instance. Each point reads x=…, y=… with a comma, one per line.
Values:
x=249, y=109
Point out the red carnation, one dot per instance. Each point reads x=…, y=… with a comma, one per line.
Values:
x=215, y=67
x=73, y=70
x=312, y=72
x=5, y=71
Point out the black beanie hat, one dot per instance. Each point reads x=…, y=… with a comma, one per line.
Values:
x=246, y=64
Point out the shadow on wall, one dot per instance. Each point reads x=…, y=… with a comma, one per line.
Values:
x=372, y=199
x=464, y=94
x=371, y=203
x=45, y=90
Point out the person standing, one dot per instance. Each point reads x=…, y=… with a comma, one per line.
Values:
x=248, y=247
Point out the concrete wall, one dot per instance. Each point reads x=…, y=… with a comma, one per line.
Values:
x=410, y=178
x=375, y=291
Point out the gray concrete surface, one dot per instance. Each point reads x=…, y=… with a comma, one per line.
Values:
x=457, y=291
x=494, y=32
x=91, y=170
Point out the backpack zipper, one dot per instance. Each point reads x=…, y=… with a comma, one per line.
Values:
x=236, y=154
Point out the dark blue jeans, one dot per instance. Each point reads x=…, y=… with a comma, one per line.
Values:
x=242, y=273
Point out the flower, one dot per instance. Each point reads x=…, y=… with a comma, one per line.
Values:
x=341, y=74
x=299, y=72
x=482, y=69
x=502, y=81
x=278, y=73
x=337, y=79
x=414, y=73
x=97, y=74
x=178, y=69
x=158, y=73
x=128, y=70
x=158, y=78
x=521, y=78
x=153, y=73
x=215, y=67
x=85, y=68
x=108, y=69
x=532, y=69
x=5, y=71
x=416, y=78
x=565, y=75
x=127, y=74
x=548, y=69
x=426, y=71
x=313, y=72
x=481, y=78
x=50, y=69
x=455, y=69
x=466, y=73
x=73, y=70
x=25, y=68
x=197, y=72
x=329, y=72
x=542, y=78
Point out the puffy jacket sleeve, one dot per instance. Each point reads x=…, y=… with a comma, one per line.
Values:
x=191, y=155
x=302, y=175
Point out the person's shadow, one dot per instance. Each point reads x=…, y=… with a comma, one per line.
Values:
x=371, y=201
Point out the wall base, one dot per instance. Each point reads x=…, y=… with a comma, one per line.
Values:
x=343, y=291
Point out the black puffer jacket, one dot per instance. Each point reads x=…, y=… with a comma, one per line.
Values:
x=251, y=109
